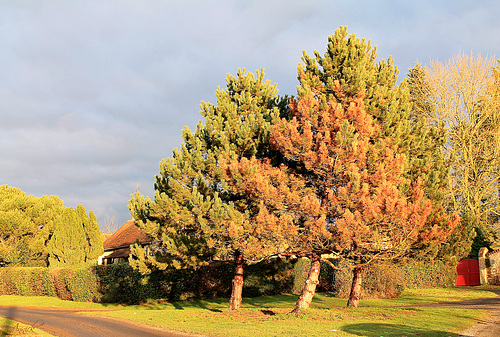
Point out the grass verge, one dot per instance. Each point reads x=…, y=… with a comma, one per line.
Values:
x=269, y=316
x=9, y=327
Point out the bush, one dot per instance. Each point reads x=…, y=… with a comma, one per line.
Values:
x=389, y=280
x=271, y=277
x=82, y=284
x=77, y=284
x=122, y=284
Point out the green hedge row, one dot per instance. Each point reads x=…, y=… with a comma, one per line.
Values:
x=78, y=284
x=388, y=280
x=120, y=283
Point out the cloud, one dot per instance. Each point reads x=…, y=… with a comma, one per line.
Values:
x=94, y=94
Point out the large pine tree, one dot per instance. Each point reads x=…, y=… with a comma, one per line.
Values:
x=347, y=70
x=196, y=217
x=349, y=138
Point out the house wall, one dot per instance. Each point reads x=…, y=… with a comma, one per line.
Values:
x=491, y=263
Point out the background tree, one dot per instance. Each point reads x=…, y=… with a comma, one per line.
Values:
x=462, y=94
x=67, y=246
x=76, y=240
x=196, y=217
x=428, y=158
x=94, y=246
x=28, y=224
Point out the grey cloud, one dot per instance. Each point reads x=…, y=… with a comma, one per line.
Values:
x=94, y=94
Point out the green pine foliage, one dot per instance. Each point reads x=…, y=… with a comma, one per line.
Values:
x=348, y=68
x=196, y=217
x=427, y=160
x=191, y=199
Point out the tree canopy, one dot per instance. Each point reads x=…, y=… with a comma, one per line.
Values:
x=353, y=188
x=462, y=98
x=28, y=226
x=347, y=168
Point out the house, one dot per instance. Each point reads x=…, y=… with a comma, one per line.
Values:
x=117, y=246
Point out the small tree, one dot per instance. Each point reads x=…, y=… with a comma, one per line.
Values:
x=75, y=240
x=67, y=245
x=93, y=247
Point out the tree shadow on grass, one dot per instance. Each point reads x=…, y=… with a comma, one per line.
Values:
x=276, y=301
x=392, y=330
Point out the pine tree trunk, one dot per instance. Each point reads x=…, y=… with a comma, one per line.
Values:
x=235, y=301
x=309, y=289
x=357, y=280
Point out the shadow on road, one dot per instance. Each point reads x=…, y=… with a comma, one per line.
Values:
x=391, y=330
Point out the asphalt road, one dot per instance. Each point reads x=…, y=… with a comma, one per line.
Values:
x=66, y=323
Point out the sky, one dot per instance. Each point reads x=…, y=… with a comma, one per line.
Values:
x=93, y=94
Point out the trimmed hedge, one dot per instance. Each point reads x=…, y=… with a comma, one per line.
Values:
x=389, y=280
x=120, y=283
x=78, y=284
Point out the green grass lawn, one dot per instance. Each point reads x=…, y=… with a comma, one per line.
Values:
x=269, y=316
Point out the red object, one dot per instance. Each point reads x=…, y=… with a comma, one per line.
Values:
x=468, y=273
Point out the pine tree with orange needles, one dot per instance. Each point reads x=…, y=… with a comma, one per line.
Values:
x=348, y=187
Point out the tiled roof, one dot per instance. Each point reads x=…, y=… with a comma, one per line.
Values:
x=104, y=237
x=493, y=252
x=125, y=236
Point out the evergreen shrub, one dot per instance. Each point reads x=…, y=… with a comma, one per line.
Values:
x=120, y=283
x=78, y=283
